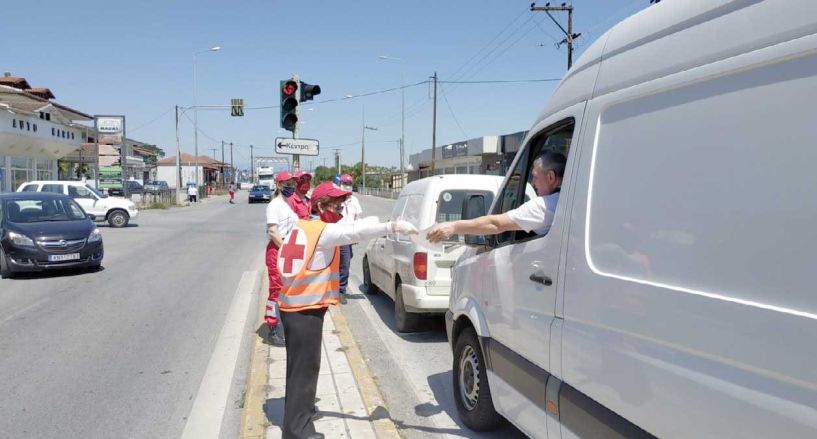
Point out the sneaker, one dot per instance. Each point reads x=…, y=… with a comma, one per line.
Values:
x=277, y=337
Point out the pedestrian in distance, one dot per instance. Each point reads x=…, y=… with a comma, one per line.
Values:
x=351, y=212
x=231, y=190
x=192, y=193
x=309, y=266
x=299, y=201
x=280, y=220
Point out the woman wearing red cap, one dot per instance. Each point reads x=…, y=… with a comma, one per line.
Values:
x=280, y=220
x=299, y=202
x=309, y=266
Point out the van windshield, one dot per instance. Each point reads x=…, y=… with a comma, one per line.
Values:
x=96, y=192
x=450, y=204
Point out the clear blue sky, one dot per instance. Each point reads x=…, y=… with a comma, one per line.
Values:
x=135, y=58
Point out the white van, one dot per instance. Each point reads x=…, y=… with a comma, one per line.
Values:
x=418, y=277
x=117, y=211
x=674, y=295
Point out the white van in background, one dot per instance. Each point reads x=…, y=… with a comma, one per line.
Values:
x=674, y=295
x=418, y=278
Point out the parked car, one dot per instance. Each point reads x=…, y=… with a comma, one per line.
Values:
x=416, y=277
x=44, y=231
x=118, y=212
x=156, y=186
x=673, y=296
x=260, y=193
x=134, y=187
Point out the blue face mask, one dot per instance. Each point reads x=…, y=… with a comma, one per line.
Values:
x=288, y=191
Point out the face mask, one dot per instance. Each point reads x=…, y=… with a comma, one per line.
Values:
x=288, y=191
x=303, y=188
x=328, y=216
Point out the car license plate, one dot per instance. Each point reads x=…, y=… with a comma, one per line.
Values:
x=61, y=258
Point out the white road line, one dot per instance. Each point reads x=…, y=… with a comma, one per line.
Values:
x=211, y=402
x=24, y=309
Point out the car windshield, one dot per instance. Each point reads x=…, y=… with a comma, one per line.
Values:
x=38, y=210
x=98, y=193
x=260, y=188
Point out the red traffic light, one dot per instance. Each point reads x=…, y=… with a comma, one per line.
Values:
x=289, y=88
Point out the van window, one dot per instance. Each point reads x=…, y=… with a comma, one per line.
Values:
x=29, y=188
x=53, y=188
x=397, y=211
x=519, y=185
x=450, y=205
x=79, y=192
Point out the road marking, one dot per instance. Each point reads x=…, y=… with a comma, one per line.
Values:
x=24, y=309
x=211, y=402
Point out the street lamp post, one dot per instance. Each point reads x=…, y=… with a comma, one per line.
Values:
x=196, y=110
x=402, y=112
x=363, y=149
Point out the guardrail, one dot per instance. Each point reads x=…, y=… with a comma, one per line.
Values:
x=383, y=193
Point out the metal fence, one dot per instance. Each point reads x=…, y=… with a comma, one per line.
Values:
x=383, y=193
x=149, y=200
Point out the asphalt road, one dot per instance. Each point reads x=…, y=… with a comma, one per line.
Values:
x=413, y=371
x=122, y=352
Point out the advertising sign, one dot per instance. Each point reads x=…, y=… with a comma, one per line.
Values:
x=455, y=150
x=110, y=139
x=296, y=146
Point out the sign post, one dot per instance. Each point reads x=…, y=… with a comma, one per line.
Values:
x=112, y=152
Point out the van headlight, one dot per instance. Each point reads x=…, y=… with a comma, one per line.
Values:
x=95, y=236
x=20, y=240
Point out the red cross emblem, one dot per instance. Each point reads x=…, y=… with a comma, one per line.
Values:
x=292, y=251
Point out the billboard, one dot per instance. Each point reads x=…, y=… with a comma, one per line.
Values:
x=110, y=139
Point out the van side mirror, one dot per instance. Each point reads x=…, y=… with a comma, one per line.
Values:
x=474, y=207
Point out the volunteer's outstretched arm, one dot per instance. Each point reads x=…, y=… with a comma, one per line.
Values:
x=361, y=230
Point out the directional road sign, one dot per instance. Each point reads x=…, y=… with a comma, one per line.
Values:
x=285, y=145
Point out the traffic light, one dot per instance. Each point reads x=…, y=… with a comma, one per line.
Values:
x=308, y=91
x=237, y=107
x=289, y=104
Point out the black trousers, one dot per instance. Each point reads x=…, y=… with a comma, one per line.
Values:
x=304, y=332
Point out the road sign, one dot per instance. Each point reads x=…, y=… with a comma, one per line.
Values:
x=284, y=145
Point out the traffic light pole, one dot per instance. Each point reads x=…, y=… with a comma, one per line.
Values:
x=296, y=158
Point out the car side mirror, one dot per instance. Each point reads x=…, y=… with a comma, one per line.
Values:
x=474, y=207
x=91, y=217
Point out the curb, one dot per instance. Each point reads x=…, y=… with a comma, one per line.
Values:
x=253, y=419
x=384, y=427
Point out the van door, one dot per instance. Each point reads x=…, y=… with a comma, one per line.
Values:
x=524, y=268
x=379, y=267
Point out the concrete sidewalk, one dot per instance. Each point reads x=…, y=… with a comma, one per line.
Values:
x=349, y=402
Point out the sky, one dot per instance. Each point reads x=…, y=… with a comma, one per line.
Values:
x=136, y=59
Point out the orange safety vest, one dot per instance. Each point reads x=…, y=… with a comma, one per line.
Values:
x=304, y=288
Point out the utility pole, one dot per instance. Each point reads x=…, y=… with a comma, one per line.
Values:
x=178, y=161
x=362, y=151
x=337, y=159
x=223, y=175
x=569, y=35
x=232, y=168
x=434, y=127
x=252, y=167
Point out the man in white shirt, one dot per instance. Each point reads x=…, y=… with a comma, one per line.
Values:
x=534, y=216
x=351, y=212
x=192, y=193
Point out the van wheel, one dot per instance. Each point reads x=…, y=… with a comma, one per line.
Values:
x=118, y=219
x=471, y=391
x=405, y=321
x=5, y=270
x=367, y=277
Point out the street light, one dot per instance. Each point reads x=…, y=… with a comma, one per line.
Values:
x=196, y=110
x=402, y=111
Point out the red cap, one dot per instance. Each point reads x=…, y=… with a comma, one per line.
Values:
x=346, y=178
x=328, y=189
x=299, y=174
x=283, y=176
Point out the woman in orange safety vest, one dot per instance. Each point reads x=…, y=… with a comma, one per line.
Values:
x=309, y=266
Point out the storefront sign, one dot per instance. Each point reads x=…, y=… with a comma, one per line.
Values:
x=455, y=150
x=110, y=125
x=110, y=138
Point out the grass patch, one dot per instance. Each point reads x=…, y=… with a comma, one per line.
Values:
x=158, y=205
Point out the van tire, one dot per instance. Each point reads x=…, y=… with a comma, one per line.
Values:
x=371, y=288
x=472, y=393
x=404, y=321
x=5, y=270
x=118, y=218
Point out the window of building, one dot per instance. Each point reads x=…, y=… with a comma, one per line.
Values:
x=14, y=123
x=53, y=131
x=21, y=171
x=44, y=169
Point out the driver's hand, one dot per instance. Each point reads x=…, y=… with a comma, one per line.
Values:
x=440, y=232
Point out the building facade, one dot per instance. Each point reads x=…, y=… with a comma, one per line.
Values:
x=35, y=133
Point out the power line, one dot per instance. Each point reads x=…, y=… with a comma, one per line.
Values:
x=451, y=110
x=477, y=53
x=501, y=81
x=131, y=130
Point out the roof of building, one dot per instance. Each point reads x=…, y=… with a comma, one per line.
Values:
x=190, y=159
x=14, y=81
